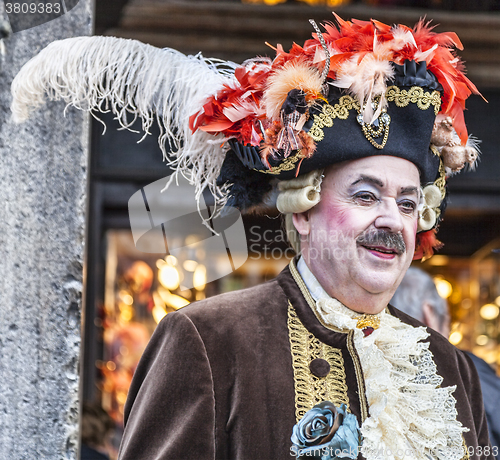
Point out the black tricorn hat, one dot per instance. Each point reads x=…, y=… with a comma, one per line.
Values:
x=361, y=89
x=403, y=129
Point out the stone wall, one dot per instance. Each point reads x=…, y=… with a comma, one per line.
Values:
x=43, y=177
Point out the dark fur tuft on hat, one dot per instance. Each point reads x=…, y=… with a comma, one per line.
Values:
x=247, y=188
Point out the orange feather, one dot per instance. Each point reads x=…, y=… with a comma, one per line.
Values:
x=426, y=243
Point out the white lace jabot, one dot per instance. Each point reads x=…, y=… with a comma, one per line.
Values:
x=410, y=415
x=332, y=311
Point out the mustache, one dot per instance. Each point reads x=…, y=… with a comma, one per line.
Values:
x=383, y=238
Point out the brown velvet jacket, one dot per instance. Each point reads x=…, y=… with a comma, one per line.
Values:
x=216, y=380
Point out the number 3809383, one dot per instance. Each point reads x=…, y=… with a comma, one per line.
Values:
x=32, y=8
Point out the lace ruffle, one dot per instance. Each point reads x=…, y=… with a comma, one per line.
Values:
x=410, y=415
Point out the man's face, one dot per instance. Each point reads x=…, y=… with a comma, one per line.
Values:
x=360, y=239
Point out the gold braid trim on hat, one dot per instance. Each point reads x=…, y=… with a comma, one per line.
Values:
x=286, y=165
x=440, y=182
x=329, y=113
x=415, y=95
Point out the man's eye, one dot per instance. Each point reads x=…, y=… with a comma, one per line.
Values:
x=408, y=207
x=365, y=197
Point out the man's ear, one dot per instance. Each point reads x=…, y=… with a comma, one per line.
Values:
x=301, y=223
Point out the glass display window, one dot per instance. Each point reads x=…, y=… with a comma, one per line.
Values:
x=141, y=288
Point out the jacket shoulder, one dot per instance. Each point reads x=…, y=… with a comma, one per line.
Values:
x=238, y=305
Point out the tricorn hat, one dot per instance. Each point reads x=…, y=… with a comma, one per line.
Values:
x=359, y=89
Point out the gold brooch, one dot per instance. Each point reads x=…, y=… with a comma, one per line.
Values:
x=367, y=323
x=379, y=128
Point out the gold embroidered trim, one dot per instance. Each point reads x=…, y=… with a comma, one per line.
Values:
x=350, y=340
x=286, y=165
x=402, y=98
x=415, y=95
x=309, y=389
x=363, y=403
x=440, y=182
x=329, y=113
x=311, y=302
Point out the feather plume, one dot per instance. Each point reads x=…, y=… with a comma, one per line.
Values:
x=133, y=80
x=366, y=80
x=420, y=55
x=200, y=103
x=402, y=36
x=235, y=111
x=293, y=75
x=425, y=245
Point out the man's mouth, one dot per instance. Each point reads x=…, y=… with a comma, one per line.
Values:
x=381, y=250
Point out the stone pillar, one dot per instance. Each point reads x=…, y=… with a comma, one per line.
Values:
x=43, y=185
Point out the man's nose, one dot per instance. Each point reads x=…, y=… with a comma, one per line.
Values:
x=389, y=217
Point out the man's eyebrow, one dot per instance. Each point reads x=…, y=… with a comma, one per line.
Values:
x=363, y=178
x=409, y=190
x=369, y=179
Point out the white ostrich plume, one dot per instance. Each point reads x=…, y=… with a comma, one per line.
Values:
x=133, y=80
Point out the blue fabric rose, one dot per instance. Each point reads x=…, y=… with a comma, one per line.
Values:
x=326, y=432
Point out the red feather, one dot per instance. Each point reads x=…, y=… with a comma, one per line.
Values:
x=381, y=27
x=457, y=115
x=246, y=92
x=426, y=243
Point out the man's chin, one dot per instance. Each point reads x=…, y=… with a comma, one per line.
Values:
x=379, y=284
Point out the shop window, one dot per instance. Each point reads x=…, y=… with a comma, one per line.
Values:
x=140, y=289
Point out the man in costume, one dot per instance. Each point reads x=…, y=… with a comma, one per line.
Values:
x=358, y=129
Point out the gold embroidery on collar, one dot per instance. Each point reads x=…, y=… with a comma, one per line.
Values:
x=309, y=389
x=363, y=403
x=310, y=301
